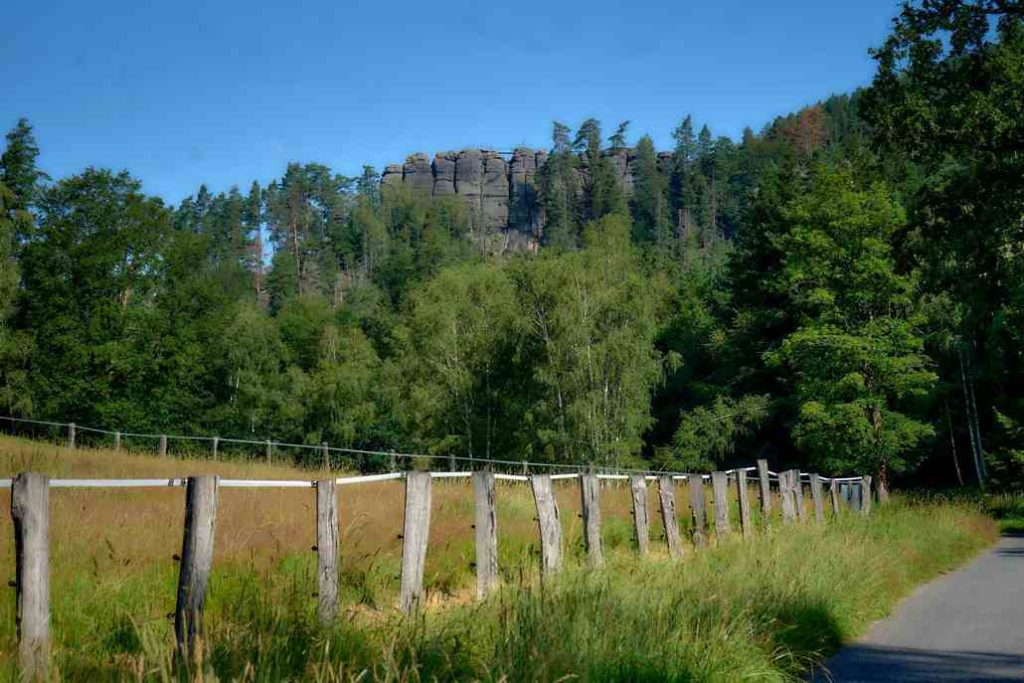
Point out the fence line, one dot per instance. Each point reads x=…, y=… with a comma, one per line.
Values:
x=604, y=472
x=30, y=512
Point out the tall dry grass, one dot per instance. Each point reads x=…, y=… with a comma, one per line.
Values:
x=114, y=572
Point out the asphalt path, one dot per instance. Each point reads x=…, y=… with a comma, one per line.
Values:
x=966, y=626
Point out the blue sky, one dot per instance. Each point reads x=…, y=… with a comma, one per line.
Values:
x=227, y=92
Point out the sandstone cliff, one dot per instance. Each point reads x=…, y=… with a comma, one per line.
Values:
x=500, y=188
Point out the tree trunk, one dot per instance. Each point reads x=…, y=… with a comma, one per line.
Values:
x=882, y=485
x=971, y=424
x=952, y=445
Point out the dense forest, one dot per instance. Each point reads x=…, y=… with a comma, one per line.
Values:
x=842, y=290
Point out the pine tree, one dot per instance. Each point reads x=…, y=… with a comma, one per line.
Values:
x=618, y=140
x=681, y=190
x=652, y=223
x=558, y=183
x=18, y=170
x=253, y=219
x=601, y=193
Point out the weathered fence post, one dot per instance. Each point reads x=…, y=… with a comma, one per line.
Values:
x=392, y=463
x=415, y=535
x=71, y=435
x=698, y=510
x=765, y=490
x=833, y=492
x=855, y=496
x=270, y=452
x=485, y=518
x=819, y=509
x=196, y=559
x=641, y=523
x=162, y=447
x=30, y=510
x=741, y=491
x=117, y=442
x=325, y=453
x=865, y=503
x=787, y=499
x=327, y=550
x=797, y=487
x=547, y=520
x=667, y=496
x=720, y=494
x=590, y=505
x=216, y=442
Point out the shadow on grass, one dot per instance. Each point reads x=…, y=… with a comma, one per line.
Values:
x=802, y=633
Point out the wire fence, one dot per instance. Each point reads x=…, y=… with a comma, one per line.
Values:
x=30, y=495
x=381, y=465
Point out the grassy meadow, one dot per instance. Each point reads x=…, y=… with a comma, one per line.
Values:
x=771, y=606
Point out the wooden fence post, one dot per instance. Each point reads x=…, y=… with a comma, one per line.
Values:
x=765, y=490
x=720, y=494
x=162, y=447
x=667, y=496
x=865, y=495
x=30, y=510
x=819, y=509
x=71, y=436
x=547, y=520
x=797, y=487
x=117, y=442
x=325, y=453
x=590, y=504
x=741, y=491
x=415, y=535
x=392, y=464
x=327, y=550
x=216, y=442
x=855, y=497
x=270, y=452
x=787, y=500
x=641, y=523
x=196, y=559
x=485, y=518
x=697, y=508
x=833, y=492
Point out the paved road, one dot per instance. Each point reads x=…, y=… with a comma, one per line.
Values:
x=966, y=626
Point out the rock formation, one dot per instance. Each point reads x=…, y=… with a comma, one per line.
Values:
x=500, y=188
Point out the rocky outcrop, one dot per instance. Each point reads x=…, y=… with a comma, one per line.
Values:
x=444, y=173
x=500, y=188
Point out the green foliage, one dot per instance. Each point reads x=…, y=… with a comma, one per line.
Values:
x=89, y=278
x=558, y=185
x=462, y=349
x=824, y=291
x=590, y=323
x=708, y=434
x=857, y=353
x=18, y=171
x=652, y=222
x=947, y=99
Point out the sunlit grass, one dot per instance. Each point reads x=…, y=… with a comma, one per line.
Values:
x=765, y=607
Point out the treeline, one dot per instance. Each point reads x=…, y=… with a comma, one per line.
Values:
x=842, y=290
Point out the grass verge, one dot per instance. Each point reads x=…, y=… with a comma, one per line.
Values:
x=771, y=607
